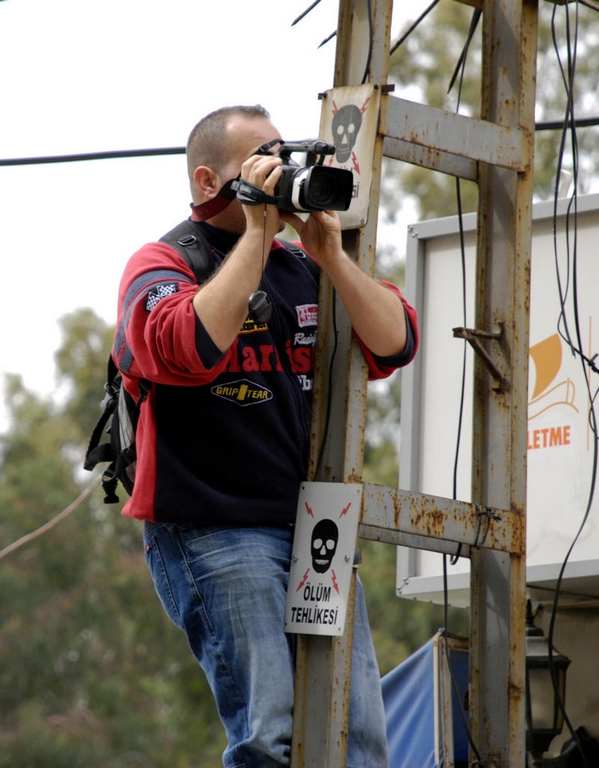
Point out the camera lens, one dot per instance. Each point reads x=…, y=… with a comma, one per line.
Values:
x=326, y=188
x=323, y=190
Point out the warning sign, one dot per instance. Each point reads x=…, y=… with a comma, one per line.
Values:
x=323, y=558
x=349, y=121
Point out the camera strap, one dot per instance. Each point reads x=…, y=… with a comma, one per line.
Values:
x=250, y=194
x=211, y=207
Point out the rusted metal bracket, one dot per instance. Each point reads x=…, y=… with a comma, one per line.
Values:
x=472, y=336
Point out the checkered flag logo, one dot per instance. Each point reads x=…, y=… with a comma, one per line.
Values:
x=158, y=293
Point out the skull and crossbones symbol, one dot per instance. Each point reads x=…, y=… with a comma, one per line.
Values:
x=324, y=545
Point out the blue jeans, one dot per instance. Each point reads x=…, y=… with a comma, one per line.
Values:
x=226, y=588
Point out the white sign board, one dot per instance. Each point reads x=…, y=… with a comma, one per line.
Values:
x=349, y=121
x=323, y=557
x=560, y=437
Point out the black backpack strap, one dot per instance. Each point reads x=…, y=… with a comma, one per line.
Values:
x=187, y=238
x=98, y=452
x=110, y=452
x=305, y=258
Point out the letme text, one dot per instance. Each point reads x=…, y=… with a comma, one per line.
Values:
x=548, y=437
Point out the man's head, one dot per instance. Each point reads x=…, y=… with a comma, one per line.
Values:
x=219, y=144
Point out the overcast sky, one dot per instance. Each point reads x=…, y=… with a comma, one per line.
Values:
x=88, y=76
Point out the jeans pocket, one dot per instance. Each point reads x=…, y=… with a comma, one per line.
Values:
x=162, y=583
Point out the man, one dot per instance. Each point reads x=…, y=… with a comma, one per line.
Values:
x=223, y=435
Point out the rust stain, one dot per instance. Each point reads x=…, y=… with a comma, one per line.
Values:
x=430, y=522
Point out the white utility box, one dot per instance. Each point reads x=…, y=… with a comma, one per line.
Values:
x=564, y=308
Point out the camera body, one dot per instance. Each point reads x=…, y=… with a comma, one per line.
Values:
x=313, y=187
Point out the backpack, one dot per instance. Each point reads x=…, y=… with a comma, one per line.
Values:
x=120, y=411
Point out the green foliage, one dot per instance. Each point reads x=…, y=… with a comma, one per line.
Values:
x=422, y=69
x=92, y=673
x=81, y=364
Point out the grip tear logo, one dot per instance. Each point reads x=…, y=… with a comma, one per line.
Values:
x=242, y=392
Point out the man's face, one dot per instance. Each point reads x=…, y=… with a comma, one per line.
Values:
x=245, y=136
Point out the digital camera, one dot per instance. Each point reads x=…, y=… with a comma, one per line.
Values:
x=313, y=187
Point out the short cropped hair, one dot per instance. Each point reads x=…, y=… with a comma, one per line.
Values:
x=206, y=144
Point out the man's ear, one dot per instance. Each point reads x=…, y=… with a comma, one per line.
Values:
x=207, y=182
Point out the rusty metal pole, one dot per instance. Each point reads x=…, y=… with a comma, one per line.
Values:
x=324, y=663
x=498, y=584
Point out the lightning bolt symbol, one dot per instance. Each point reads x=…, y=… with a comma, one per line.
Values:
x=335, y=585
x=309, y=510
x=345, y=511
x=355, y=162
x=303, y=581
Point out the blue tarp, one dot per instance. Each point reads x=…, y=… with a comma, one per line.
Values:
x=408, y=693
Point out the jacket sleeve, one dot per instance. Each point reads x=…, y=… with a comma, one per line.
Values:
x=159, y=335
x=382, y=367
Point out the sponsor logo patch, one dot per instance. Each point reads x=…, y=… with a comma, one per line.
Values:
x=159, y=292
x=251, y=326
x=242, y=392
x=307, y=314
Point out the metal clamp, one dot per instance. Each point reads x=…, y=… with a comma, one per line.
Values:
x=484, y=516
x=472, y=336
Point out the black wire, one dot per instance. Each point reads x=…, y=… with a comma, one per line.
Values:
x=370, y=43
x=464, y=358
x=572, y=265
x=305, y=13
x=461, y=70
x=558, y=125
x=406, y=34
x=454, y=682
x=587, y=122
x=327, y=418
x=473, y=25
x=330, y=37
x=77, y=158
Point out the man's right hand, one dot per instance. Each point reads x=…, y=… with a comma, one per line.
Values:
x=264, y=172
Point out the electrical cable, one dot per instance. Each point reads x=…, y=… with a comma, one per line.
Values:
x=409, y=31
x=570, y=123
x=327, y=39
x=327, y=417
x=476, y=16
x=464, y=357
x=370, y=42
x=558, y=125
x=571, y=281
x=29, y=537
x=303, y=14
x=460, y=68
x=77, y=158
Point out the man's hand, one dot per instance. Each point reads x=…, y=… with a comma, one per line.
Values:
x=320, y=234
x=264, y=172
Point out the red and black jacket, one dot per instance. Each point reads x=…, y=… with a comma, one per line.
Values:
x=222, y=438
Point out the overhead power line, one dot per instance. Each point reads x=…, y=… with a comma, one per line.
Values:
x=118, y=154
x=111, y=155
